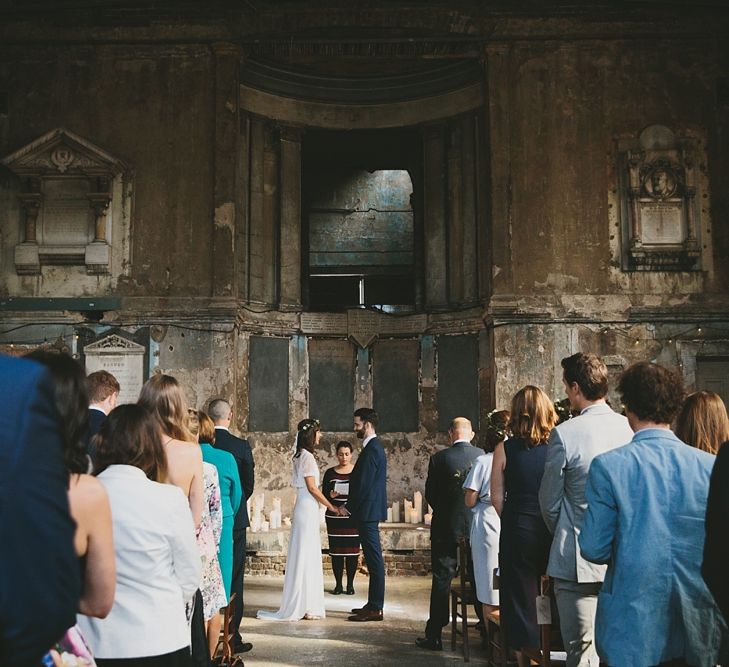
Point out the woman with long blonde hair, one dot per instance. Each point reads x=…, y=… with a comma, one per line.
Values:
x=162, y=395
x=703, y=421
x=524, y=543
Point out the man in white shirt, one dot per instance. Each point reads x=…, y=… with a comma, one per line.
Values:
x=572, y=447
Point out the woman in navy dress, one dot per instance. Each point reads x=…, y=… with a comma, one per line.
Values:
x=525, y=540
x=341, y=530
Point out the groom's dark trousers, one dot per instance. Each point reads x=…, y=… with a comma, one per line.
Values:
x=369, y=537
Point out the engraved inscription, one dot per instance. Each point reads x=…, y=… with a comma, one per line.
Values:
x=662, y=223
x=323, y=323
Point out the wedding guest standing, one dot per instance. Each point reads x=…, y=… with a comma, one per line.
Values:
x=230, y=499
x=40, y=576
x=485, y=524
x=157, y=560
x=86, y=495
x=222, y=415
x=367, y=502
x=104, y=391
x=702, y=421
x=447, y=471
x=162, y=395
x=524, y=543
x=341, y=529
x=303, y=590
x=573, y=445
x=646, y=504
x=715, y=568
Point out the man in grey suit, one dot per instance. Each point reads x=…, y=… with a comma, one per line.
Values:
x=572, y=447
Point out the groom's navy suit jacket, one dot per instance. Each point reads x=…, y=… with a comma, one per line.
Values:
x=367, y=486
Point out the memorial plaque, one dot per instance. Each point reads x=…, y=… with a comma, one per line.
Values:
x=66, y=213
x=408, y=324
x=323, y=323
x=331, y=383
x=395, y=379
x=124, y=359
x=457, y=380
x=363, y=326
x=662, y=223
x=268, y=384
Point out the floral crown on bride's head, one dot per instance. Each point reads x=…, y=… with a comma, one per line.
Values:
x=308, y=424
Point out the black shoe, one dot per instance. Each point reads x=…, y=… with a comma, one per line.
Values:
x=244, y=647
x=429, y=643
x=361, y=609
x=338, y=590
x=350, y=590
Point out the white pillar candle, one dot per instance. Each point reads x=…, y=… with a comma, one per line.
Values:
x=414, y=516
x=264, y=526
x=275, y=519
x=428, y=519
x=287, y=521
x=389, y=515
x=396, y=512
x=408, y=513
x=418, y=506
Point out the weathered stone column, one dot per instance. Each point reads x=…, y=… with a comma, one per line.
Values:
x=226, y=64
x=455, y=215
x=290, y=253
x=434, y=216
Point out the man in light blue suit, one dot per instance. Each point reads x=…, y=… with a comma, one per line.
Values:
x=572, y=447
x=645, y=519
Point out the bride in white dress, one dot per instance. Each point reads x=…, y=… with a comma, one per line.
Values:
x=303, y=591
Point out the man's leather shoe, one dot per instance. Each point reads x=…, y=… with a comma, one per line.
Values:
x=429, y=643
x=359, y=610
x=242, y=648
x=367, y=615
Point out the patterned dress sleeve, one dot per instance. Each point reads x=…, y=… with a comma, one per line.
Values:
x=215, y=506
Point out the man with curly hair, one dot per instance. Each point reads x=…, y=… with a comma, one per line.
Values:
x=645, y=520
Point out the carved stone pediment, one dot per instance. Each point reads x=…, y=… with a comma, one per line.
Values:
x=114, y=344
x=60, y=152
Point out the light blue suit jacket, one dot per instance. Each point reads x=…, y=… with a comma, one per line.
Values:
x=572, y=447
x=645, y=519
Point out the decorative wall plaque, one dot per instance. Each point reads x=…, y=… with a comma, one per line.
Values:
x=123, y=358
x=66, y=189
x=363, y=326
x=659, y=206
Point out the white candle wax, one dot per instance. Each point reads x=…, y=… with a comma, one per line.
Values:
x=396, y=512
x=389, y=515
x=428, y=519
x=408, y=514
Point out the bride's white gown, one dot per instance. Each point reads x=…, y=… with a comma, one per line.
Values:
x=303, y=591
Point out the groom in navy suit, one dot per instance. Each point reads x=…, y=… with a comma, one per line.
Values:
x=368, y=504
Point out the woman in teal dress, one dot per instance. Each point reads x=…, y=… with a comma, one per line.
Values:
x=231, y=494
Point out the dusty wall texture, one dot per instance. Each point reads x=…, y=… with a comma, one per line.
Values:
x=214, y=233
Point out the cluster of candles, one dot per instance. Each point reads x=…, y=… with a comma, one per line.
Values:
x=413, y=511
x=259, y=524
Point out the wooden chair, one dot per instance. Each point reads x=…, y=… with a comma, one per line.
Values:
x=462, y=595
x=496, y=649
x=224, y=645
x=542, y=655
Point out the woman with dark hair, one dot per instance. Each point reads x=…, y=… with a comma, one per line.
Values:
x=703, y=422
x=524, y=542
x=162, y=395
x=341, y=529
x=303, y=591
x=158, y=563
x=486, y=524
x=87, y=498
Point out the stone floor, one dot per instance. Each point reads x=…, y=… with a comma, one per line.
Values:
x=335, y=641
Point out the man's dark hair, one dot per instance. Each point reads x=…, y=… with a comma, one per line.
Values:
x=589, y=372
x=367, y=415
x=651, y=392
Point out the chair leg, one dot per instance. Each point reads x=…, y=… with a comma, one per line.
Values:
x=454, y=620
x=464, y=622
